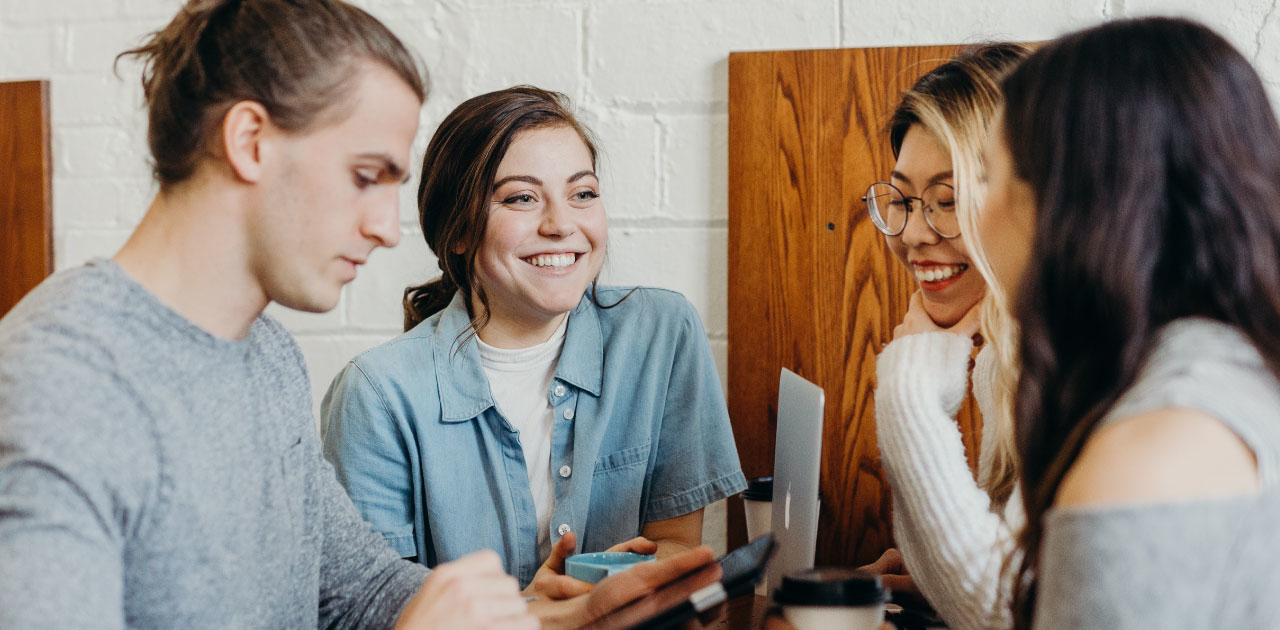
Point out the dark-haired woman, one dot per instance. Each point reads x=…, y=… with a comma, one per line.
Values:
x=1133, y=217
x=525, y=406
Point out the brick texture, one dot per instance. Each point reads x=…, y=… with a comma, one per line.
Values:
x=651, y=77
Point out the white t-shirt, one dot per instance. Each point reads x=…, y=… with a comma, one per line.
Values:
x=520, y=380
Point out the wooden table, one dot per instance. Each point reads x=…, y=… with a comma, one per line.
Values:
x=742, y=613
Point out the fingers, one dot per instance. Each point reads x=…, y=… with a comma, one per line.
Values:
x=892, y=562
x=916, y=305
x=971, y=323
x=523, y=622
x=562, y=549
x=618, y=590
x=899, y=583
x=639, y=544
x=881, y=564
x=559, y=587
x=479, y=563
x=472, y=591
x=659, y=573
x=916, y=320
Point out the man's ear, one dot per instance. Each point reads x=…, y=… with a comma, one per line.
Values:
x=243, y=130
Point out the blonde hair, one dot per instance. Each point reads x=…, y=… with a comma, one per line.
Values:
x=957, y=102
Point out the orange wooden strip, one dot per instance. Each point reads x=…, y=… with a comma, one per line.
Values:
x=26, y=217
x=811, y=285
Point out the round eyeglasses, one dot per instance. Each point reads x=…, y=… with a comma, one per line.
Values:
x=889, y=208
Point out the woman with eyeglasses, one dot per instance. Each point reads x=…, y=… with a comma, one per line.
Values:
x=953, y=532
x=1133, y=218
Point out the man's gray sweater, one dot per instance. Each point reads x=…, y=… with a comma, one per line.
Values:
x=155, y=476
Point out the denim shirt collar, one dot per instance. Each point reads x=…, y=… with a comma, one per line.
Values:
x=463, y=385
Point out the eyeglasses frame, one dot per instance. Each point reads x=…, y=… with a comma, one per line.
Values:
x=907, y=200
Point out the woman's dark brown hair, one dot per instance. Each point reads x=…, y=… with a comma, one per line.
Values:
x=458, y=170
x=298, y=58
x=1154, y=157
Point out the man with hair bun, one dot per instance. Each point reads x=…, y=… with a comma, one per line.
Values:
x=159, y=463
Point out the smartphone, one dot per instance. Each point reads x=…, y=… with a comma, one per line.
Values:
x=695, y=593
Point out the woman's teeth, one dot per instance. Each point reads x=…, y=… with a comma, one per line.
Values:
x=934, y=274
x=552, y=260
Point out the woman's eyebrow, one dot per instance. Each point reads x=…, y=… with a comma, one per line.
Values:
x=580, y=174
x=940, y=176
x=932, y=180
x=528, y=179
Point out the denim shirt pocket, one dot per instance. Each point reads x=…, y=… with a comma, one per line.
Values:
x=629, y=457
x=617, y=490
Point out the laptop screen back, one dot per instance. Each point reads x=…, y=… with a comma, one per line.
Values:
x=796, y=463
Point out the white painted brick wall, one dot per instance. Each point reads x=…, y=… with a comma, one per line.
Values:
x=650, y=76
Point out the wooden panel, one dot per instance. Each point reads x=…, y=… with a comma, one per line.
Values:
x=26, y=225
x=812, y=286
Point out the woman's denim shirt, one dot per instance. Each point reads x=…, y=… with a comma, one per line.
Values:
x=641, y=433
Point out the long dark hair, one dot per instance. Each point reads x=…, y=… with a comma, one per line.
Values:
x=1154, y=157
x=458, y=170
x=295, y=57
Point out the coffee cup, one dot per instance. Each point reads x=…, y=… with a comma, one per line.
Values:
x=819, y=599
x=593, y=567
x=757, y=502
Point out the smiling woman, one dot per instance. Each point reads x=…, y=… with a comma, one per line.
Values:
x=545, y=239
x=953, y=531
x=526, y=409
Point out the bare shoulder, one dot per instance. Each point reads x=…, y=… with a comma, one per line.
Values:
x=1165, y=455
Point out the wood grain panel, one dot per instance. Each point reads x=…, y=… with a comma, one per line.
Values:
x=812, y=286
x=26, y=219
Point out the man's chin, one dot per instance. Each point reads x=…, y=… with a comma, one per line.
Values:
x=310, y=303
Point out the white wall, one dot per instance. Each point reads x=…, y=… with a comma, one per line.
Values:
x=650, y=76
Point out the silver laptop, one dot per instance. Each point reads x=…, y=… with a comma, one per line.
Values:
x=796, y=463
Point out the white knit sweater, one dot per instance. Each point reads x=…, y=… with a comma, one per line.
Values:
x=952, y=543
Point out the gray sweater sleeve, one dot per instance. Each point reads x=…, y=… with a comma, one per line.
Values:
x=68, y=497
x=1198, y=564
x=363, y=582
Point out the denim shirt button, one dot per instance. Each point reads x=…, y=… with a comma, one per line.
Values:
x=563, y=529
x=568, y=414
x=558, y=391
x=565, y=471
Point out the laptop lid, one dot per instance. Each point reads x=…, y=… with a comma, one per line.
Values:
x=796, y=464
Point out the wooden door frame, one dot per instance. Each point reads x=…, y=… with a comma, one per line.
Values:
x=812, y=286
x=26, y=205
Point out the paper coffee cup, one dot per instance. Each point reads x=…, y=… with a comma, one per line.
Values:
x=819, y=599
x=757, y=501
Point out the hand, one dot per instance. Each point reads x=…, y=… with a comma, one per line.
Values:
x=918, y=321
x=893, y=573
x=550, y=582
x=623, y=588
x=471, y=592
